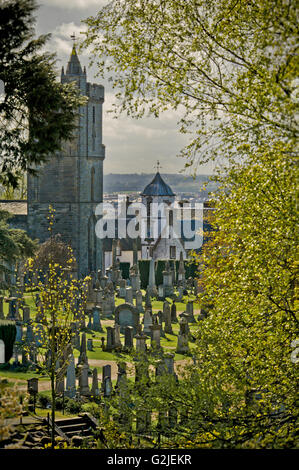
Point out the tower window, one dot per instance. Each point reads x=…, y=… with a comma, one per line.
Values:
x=93, y=114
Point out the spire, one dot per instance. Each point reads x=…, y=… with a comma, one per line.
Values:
x=74, y=66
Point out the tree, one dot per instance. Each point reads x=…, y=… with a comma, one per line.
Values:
x=15, y=245
x=62, y=300
x=53, y=250
x=37, y=111
x=231, y=67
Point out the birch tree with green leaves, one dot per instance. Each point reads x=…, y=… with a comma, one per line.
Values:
x=231, y=69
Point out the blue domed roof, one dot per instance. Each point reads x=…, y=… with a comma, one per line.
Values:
x=157, y=187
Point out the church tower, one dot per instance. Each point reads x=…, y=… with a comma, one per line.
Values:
x=72, y=181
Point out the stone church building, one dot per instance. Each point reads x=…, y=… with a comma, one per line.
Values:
x=71, y=181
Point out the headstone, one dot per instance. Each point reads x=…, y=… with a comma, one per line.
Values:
x=173, y=313
x=190, y=311
x=121, y=373
x=183, y=337
x=152, y=279
x=122, y=289
x=97, y=319
x=117, y=340
x=147, y=322
x=129, y=334
x=140, y=342
x=107, y=387
x=89, y=344
x=26, y=314
x=129, y=295
x=19, y=334
x=126, y=315
x=167, y=319
x=106, y=372
x=83, y=354
x=71, y=377
x=95, y=383
x=110, y=343
x=139, y=305
x=83, y=379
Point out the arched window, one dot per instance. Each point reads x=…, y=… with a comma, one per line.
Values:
x=92, y=173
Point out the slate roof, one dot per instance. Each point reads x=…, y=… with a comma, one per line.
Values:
x=157, y=187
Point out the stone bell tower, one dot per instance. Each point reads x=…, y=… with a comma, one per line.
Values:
x=72, y=181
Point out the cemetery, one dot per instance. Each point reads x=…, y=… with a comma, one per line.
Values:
x=115, y=331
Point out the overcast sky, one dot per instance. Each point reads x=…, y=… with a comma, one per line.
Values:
x=132, y=146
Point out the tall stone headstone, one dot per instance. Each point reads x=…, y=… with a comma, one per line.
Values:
x=129, y=335
x=147, y=322
x=140, y=342
x=173, y=313
x=110, y=343
x=152, y=279
x=190, y=311
x=117, y=340
x=129, y=295
x=97, y=319
x=95, y=383
x=139, y=305
x=83, y=350
x=83, y=379
x=71, y=377
x=106, y=372
x=26, y=314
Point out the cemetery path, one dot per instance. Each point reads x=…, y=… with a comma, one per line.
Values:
x=102, y=363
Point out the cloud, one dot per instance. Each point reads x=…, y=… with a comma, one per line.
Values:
x=74, y=4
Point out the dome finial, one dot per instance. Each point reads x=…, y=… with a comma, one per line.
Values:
x=158, y=166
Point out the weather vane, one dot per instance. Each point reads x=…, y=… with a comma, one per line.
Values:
x=158, y=166
x=73, y=37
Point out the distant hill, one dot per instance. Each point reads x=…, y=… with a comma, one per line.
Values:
x=117, y=183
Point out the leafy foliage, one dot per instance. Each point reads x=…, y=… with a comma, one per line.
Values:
x=231, y=68
x=37, y=111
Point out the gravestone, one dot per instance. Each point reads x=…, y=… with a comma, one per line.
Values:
x=97, y=319
x=147, y=322
x=140, y=342
x=167, y=320
x=107, y=387
x=95, y=383
x=83, y=354
x=190, y=311
x=173, y=313
x=89, y=344
x=183, y=337
x=83, y=379
x=117, y=340
x=106, y=372
x=126, y=315
x=71, y=377
x=122, y=288
x=139, y=305
x=26, y=314
x=129, y=334
x=129, y=295
x=152, y=289
x=110, y=343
